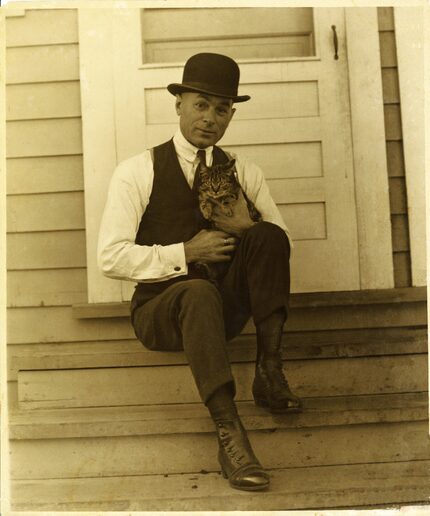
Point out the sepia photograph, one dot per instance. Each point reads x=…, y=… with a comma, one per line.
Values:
x=216, y=277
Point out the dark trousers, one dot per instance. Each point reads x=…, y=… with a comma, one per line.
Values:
x=199, y=318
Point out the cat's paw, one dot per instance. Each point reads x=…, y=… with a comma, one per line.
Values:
x=206, y=210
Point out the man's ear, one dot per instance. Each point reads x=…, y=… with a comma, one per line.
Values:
x=233, y=111
x=178, y=103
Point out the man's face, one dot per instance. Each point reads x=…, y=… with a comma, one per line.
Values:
x=203, y=118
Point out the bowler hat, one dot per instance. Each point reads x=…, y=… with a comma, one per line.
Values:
x=213, y=74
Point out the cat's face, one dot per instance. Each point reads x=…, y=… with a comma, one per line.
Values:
x=203, y=118
x=219, y=181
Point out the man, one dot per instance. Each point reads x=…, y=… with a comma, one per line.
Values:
x=153, y=233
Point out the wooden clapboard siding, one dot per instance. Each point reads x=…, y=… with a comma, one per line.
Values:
x=44, y=63
x=43, y=100
x=393, y=124
x=55, y=324
x=402, y=267
x=50, y=137
x=400, y=232
x=44, y=174
x=398, y=203
x=48, y=27
x=45, y=208
x=390, y=85
x=394, y=146
x=46, y=250
x=395, y=159
x=46, y=287
x=388, y=48
x=45, y=212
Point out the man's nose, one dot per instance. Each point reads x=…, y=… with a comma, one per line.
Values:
x=209, y=116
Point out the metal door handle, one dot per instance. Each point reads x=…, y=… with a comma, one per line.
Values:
x=335, y=42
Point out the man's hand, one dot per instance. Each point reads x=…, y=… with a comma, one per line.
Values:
x=210, y=246
x=238, y=222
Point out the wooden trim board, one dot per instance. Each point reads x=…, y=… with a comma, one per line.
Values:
x=99, y=136
x=370, y=162
x=410, y=56
x=292, y=488
x=193, y=418
x=308, y=300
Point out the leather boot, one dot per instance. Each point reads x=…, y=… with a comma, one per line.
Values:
x=270, y=387
x=237, y=460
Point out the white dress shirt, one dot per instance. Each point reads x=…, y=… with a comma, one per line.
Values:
x=130, y=188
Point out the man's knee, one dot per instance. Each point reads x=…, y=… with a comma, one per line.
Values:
x=200, y=291
x=268, y=233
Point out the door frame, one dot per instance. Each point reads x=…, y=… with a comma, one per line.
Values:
x=409, y=32
x=369, y=150
x=103, y=72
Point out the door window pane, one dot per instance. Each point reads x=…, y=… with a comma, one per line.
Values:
x=173, y=35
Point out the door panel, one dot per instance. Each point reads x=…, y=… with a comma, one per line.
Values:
x=296, y=127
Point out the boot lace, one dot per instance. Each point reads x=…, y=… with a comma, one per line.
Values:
x=229, y=445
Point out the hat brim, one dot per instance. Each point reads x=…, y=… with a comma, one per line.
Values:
x=176, y=88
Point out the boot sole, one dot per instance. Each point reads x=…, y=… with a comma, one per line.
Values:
x=277, y=410
x=251, y=488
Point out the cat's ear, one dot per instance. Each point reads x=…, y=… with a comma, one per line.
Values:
x=231, y=163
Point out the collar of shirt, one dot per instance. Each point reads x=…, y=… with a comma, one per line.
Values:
x=187, y=151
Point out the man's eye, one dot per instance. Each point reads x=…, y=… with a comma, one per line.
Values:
x=200, y=105
x=222, y=111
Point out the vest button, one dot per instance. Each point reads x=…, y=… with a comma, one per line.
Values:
x=177, y=268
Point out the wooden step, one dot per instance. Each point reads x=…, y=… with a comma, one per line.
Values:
x=191, y=453
x=326, y=487
x=302, y=300
x=193, y=418
x=174, y=384
x=181, y=439
x=296, y=345
x=56, y=323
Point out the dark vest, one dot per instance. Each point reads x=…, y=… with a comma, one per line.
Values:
x=171, y=216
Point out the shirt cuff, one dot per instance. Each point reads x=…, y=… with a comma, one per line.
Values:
x=173, y=256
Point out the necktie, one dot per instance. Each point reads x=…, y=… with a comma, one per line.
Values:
x=201, y=154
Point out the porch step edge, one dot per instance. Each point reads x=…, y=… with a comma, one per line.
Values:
x=295, y=346
x=299, y=300
x=319, y=487
x=193, y=418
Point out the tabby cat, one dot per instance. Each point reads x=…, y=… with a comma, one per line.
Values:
x=218, y=188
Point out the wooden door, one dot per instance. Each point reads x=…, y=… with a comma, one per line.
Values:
x=296, y=126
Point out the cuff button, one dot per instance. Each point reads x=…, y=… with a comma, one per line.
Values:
x=177, y=268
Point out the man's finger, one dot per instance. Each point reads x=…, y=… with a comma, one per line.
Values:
x=221, y=234
x=221, y=258
x=219, y=215
x=227, y=248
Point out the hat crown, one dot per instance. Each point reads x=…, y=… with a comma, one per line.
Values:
x=212, y=69
x=214, y=74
